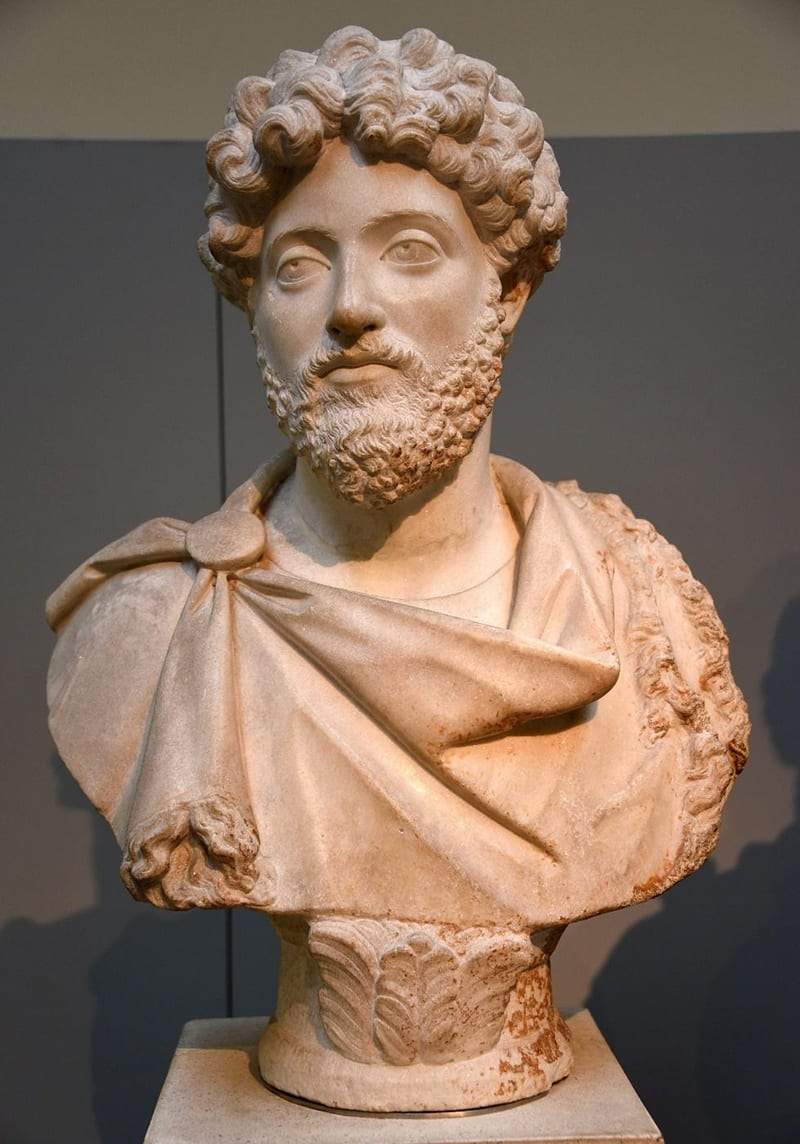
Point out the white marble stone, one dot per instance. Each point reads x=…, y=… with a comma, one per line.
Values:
x=417, y=705
x=213, y=1093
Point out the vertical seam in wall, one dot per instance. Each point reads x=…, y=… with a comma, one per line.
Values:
x=223, y=492
x=223, y=460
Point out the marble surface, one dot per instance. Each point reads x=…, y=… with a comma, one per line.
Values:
x=213, y=1093
x=417, y=705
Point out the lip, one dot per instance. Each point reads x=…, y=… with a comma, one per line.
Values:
x=357, y=372
x=354, y=361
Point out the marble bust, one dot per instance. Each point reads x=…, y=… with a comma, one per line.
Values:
x=420, y=707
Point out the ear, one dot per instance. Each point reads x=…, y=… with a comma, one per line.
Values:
x=516, y=291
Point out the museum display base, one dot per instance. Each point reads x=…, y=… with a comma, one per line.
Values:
x=213, y=1092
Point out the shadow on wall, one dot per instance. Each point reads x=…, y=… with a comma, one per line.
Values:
x=96, y=1001
x=701, y=1002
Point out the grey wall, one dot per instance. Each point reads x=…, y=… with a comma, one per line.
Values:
x=149, y=70
x=658, y=362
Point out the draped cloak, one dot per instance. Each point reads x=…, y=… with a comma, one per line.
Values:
x=255, y=738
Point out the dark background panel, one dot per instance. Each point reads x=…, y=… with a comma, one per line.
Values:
x=109, y=416
x=658, y=362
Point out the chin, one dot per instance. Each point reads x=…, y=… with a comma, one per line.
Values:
x=386, y=474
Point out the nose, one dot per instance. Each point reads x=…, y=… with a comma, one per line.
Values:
x=355, y=309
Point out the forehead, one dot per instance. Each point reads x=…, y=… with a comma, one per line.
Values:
x=344, y=193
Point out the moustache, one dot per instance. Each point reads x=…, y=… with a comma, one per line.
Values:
x=378, y=350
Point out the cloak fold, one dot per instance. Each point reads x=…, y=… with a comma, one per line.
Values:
x=227, y=717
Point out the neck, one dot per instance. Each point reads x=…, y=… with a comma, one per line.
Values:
x=451, y=533
x=437, y=517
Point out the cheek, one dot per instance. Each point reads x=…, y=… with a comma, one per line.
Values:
x=441, y=312
x=289, y=325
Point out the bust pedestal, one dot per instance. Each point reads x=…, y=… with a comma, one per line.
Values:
x=213, y=1092
x=390, y=1016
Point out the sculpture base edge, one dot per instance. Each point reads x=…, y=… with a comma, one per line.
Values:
x=311, y=1051
x=213, y=1092
x=322, y=1076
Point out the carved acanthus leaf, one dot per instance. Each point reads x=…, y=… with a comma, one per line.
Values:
x=403, y=993
x=415, y=1001
x=348, y=966
x=491, y=967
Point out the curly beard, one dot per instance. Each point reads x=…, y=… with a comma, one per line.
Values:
x=375, y=444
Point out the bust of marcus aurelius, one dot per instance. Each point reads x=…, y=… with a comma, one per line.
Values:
x=420, y=707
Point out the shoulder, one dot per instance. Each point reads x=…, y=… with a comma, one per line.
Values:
x=672, y=626
x=162, y=539
x=673, y=650
x=114, y=616
x=144, y=592
x=104, y=672
x=128, y=617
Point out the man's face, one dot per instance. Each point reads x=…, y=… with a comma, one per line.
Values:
x=375, y=317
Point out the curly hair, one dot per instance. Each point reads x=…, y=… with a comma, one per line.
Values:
x=413, y=100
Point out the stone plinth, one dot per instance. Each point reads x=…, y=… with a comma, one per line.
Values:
x=213, y=1093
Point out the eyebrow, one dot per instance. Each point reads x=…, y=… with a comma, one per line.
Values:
x=409, y=215
x=302, y=232
x=312, y=231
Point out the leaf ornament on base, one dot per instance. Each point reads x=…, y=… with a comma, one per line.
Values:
x=415, y=1004
x=404, y=993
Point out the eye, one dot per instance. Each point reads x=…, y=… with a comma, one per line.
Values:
x=412, y=251
x=298, y=267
